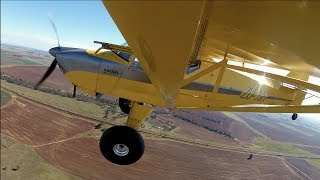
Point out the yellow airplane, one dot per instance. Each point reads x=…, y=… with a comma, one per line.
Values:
x=176, y=44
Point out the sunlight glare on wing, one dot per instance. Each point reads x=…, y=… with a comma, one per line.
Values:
x=235, y=63
x=216, y=60
x=277, y=71
x=262, y=80
x=266, y=62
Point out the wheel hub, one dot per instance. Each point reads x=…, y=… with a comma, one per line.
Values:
x=120, y=149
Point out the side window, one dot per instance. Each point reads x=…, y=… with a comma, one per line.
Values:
x=193, y=67
x=124, y=56
x=136, y=65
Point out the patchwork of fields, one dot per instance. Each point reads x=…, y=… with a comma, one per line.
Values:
x=65, y=146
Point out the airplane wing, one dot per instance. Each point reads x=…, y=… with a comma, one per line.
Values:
x=168, y=36
x=279, y=34
x=161, y=34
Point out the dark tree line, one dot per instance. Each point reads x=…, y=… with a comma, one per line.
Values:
x=103, y=103
x=223, y=133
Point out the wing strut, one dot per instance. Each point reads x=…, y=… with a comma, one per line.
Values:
x=221, y=72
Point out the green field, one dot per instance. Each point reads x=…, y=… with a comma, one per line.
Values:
x=269, y=145
x=314, y=162
x=30, y=164
x=5, y=98
x=13, y=60
x=263, y=144
x=73, y=105
x=238, y=119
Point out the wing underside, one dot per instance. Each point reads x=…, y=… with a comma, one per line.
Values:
x=168, y=36
x=161, y=34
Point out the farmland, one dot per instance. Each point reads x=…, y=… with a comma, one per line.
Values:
x=57, y=101
x=11, y=54
x=269, y=145
x=303, y=168
x=34, y=125
x=5, y=98
x=162, y=160
x=280, y=127
x=184, y=128
x=61, y=143
x=15, y=59
x=34, y=73
x=314, y=150
x=18, y=161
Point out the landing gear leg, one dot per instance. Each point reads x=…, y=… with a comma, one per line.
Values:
x=124, y=145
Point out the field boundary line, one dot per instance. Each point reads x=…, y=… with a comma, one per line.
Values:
x=166, y=136
x=60, y=141
x=296, y=168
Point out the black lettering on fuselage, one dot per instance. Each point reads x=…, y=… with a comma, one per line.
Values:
x=110, y=71
x=252, y=93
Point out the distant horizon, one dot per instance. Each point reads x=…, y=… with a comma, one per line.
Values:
x=18, y=45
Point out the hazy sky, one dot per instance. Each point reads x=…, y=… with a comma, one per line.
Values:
x=79, y=23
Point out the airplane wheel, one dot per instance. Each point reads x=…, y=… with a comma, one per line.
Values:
x=294, y=116
x=122, y=145
x=125, y=105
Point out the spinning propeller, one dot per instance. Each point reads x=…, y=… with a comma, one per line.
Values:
x=54, y=62
x=47, y=74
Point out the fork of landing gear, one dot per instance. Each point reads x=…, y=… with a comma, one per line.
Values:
x=123, y=145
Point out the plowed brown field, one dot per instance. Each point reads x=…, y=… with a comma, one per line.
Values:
x=33, y=124
x=34, y=73
x=51, y=134
x=303, y=168
x=163, y=160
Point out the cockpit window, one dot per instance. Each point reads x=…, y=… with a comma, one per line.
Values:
x=136, y=65
x=124, y=56
x=193, y=67
x=124, y=44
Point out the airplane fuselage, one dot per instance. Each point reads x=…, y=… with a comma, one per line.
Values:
x=106, y=73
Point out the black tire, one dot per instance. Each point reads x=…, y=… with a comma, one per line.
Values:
x=124, y=105
x=294, y=116
x=123, y=135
